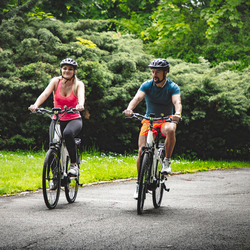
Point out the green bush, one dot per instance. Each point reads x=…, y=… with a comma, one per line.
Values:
x=28, y=64
x=215, y=100
x=215, y=110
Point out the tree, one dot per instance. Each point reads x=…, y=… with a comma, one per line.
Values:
x=212, y=29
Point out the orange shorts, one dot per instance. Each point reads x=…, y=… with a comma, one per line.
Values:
x=145, y=127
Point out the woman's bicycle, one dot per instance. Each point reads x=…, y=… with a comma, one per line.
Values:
x=56, y=163
x=150, y=178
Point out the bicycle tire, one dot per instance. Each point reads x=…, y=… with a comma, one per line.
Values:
x=143, y=182
x=71, y=187
x=51, y=173
x=158, y=192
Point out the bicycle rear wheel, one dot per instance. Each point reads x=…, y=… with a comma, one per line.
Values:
x=146, y=161
x=71, y=187
x=51, y=179
x=158, y=192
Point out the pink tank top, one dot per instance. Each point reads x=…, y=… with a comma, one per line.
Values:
x=70, y=101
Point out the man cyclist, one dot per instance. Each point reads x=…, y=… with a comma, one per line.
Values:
x=161, y=96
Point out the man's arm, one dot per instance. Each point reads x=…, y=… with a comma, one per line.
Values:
x=134, y=102
x=176, y=99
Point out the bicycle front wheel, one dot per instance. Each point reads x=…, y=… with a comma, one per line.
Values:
x=146, y=161
x=51, y=179
x=160, y=178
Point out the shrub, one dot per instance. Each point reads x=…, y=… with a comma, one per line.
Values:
x=215, y=100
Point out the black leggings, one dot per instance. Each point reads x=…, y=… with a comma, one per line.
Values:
x=69, y=129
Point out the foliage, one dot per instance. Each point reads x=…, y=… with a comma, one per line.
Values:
x=224, y=13
x=112, y=71
x=86, y=42
x=216, y=109
x=215, y=30
x=113, y=64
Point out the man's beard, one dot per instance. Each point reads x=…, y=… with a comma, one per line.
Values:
x=158, y=81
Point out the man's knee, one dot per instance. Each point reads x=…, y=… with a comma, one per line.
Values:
x=169, y=129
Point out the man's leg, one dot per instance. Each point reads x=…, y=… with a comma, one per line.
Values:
x=169, y=131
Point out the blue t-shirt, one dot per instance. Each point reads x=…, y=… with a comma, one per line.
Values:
x=159, y=100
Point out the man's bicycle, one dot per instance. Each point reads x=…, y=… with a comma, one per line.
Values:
x=56, y=163
x=150, y=178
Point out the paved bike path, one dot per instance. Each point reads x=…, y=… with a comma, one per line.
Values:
x=205, y=210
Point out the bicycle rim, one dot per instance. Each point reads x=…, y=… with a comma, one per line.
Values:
x=143, y=183
x=51, y=179
x=158, y=192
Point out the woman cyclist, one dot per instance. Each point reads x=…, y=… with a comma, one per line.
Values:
x=68, y=91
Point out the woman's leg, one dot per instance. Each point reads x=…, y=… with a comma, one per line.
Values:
x=70, y=129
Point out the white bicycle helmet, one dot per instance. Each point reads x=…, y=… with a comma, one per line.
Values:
x=69, y=61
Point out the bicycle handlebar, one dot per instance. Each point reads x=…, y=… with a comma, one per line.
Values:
x=139, y=116
x=55, y=111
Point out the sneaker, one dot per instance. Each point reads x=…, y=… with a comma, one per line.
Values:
x=136, y=191
x=166, y=168
x=73, y=170
x=53, y=185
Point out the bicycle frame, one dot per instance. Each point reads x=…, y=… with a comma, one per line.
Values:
x=59, y=143
x=149, y=178
x=57, y=157
x=152, y=146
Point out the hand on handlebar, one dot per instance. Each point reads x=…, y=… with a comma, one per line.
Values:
x=79, y=107
x=128, y=112
x=33, y=108
x=176, y=118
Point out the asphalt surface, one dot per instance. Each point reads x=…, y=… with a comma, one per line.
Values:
x=205, y=210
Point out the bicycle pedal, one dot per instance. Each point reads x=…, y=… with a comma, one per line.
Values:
x=80, y=184
x=166, y=189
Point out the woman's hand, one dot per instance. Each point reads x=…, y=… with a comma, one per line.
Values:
x=33, y=108
x=79, y=107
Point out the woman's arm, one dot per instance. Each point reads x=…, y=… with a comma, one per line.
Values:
x=45, y=94
x=81, y=96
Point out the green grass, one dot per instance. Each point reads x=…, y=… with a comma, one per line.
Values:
x=184, y=166
x=22, y=170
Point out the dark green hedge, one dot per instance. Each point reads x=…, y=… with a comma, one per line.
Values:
x=215, y=100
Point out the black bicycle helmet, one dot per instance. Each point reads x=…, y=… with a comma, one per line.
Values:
x=69, y=61
x=160, y=64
